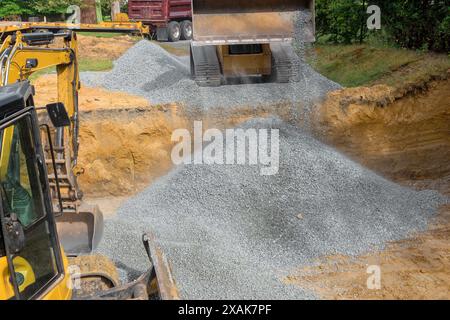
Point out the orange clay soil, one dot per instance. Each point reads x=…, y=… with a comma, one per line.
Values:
x=89, y=98
x=91, y=47
x=407, y=139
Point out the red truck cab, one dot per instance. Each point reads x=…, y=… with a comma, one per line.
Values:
x=169, y=19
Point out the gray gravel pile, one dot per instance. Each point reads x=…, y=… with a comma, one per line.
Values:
x=148, y=70
x=231, y=233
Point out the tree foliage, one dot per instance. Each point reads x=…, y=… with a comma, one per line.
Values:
x=35, y=7
x=53, y=6
x=10, y=8
x=341, y=20
x=418, y=24
x=413, y=24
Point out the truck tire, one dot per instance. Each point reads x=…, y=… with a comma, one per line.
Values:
x=174, y=31
x=186, y=30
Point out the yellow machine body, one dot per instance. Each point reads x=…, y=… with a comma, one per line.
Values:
x=243, y=39
x=60, y=290
x=22, y=60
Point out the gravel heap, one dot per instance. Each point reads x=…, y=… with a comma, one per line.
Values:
x=231, y=233
x=150, y=71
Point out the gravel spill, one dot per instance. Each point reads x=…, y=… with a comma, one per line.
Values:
x=150, y=71
x=231, y=233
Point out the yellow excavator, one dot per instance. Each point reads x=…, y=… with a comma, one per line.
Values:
x=249, y=39
x=22, y=54
x=43, y=218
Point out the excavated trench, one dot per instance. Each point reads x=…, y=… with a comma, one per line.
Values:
x=124, y=150
x=405, y=138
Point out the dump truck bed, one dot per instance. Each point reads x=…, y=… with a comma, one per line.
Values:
x=159, y=13
x=219, y=22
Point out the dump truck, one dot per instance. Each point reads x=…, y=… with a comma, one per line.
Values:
x=169, y=20
x=243, y=39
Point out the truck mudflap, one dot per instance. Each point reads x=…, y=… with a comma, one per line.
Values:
x=222, y=22
x=157, y=283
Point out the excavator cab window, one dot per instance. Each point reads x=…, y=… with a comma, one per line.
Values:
x=33, y=256
x=239, y=49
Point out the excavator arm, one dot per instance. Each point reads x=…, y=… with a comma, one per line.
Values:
x=129, y=27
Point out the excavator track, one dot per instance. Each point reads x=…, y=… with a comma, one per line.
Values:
x=205, y=66
x=285, y=63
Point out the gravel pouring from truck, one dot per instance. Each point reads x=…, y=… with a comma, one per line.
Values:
x=168, y=19
x=249, y=39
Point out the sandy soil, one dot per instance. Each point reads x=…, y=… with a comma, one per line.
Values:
x=406, y=139
x=125, y=145
x=89, y=98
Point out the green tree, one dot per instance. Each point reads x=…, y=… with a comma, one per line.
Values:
x=341, y=20
x=418, y=24
x=10, y=8
x=106, y=7
x=412, y=24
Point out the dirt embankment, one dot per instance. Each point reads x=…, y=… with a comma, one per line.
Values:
x=125, y=143
x=122, y=151
x=88, y=98
x=406, y=138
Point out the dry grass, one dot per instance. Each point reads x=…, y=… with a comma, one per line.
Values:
x=357, y=65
